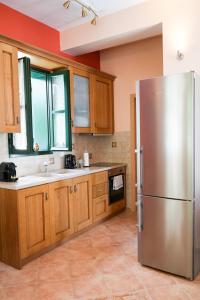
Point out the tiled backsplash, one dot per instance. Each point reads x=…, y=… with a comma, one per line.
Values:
x=100, y=147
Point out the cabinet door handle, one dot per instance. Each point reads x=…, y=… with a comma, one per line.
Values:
x=46, y=196
x=71, y=189
x=17, y=120
x=75, y=188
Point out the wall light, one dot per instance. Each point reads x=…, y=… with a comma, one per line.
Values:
x=179, y=55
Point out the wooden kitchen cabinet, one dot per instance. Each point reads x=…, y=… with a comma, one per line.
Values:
x=34, y=219
x=9, y=89
x=82, y=202
x=91, y=102
x=103, y=120
x=61, y=207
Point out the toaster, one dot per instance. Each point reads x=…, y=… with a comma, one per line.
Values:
x=70, y=161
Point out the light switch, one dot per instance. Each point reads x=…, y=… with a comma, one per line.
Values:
x=114, y=144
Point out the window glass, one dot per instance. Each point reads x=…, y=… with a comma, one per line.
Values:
x=81, y=101
x=58, y=92
x=39, y=109
x=59, y=133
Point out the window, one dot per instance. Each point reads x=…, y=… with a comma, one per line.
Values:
x=44, y=112
x=60, y=112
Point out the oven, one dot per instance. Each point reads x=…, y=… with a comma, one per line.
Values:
x=117, y=184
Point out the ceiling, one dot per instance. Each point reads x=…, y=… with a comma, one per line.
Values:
x=52, y=12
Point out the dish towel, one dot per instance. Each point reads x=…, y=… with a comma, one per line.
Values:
x=118, y=182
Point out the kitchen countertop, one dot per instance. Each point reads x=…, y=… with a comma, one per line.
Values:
x=56, y=175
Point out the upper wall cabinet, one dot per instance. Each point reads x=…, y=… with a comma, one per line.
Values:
x=80, y=88
x=102, y=105
x=9, y=89
x=91, y=102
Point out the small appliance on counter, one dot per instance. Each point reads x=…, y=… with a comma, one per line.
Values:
x=8, y=172
x=70, y=161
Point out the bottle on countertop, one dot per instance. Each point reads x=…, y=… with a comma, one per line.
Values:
x=86, y=161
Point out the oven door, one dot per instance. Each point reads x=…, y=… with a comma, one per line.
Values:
x=116, y=195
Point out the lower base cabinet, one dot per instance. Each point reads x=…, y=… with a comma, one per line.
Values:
x=82, y=202
x=61, y=206
x=34, y=219
x=70, y=206
x=100, y=195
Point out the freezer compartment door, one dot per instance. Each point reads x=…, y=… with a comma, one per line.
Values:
x=166, y=136
x=166, y=238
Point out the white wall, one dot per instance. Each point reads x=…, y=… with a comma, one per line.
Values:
x=180, y=24
x=181, y=31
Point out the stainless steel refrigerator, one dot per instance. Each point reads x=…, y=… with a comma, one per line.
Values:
x=168, y=173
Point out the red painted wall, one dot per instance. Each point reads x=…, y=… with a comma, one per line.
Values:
x=23, y=28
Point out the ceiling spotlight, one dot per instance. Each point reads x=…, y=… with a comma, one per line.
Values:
x=94, y=21
x=67, y=4
x=84, y=12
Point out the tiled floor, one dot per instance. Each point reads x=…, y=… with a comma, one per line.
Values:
x=100, y=264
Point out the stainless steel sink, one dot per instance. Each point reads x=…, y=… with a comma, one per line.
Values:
x=61, y=173
x=69, y=171
x=46, y=175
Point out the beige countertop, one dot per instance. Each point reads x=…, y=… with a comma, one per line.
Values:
x=53, y=176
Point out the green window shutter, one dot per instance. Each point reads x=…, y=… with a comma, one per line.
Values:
x=40, y=112
x=60, y=111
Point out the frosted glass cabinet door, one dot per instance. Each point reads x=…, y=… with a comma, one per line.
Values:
x=81, y=101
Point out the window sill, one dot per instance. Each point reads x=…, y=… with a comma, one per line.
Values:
x=30, y=154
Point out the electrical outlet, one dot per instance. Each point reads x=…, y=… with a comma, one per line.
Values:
x=114, y=144
x=90, y=155
x=51, y=160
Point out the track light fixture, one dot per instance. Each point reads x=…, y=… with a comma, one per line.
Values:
x=86, y=9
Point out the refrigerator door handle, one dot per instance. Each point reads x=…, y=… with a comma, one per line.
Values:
x=141, y=167
x=139, y=205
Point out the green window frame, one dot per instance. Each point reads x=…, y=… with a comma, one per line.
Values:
x=28, y=70
x=64, y=110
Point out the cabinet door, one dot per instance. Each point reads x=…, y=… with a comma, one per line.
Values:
x=9, y=89
x=80, y=83
x=82, y=202
x=61, y=209
x=100, y=207
x=34, y=219
x=102, y=105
